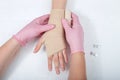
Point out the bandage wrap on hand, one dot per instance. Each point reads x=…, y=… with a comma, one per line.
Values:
x=54, y=39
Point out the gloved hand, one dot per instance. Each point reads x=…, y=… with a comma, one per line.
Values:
x=33, y=29
x=74, y=34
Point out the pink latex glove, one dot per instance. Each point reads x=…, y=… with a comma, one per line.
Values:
x=33, y=29
x=74, y=34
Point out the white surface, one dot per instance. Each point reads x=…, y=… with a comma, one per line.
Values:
x=101, y=23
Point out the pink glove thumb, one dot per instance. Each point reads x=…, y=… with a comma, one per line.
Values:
x=45, y=28
x=74, y=34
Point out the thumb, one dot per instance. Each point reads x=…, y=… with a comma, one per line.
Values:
x=39, y=44
x=47, y=27
x=65, y=24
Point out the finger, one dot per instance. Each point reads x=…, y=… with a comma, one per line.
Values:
x=42, y=19
x=65, y=56
x=56, y=63
x=39, y=44
x=45, y=16
x=45, y=22
x=47, y=27
x=50, y=63
x=61, y=61
x=75, y=19
x=65, y=24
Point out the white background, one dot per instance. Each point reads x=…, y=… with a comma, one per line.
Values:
x=100, y=20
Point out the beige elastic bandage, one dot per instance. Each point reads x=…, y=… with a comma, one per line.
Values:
x=55, y=39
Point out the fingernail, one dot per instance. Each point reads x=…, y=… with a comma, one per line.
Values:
x=35, y=50
x=50, y=69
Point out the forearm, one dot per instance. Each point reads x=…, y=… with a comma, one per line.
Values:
x=77, y=67
x=59, y=4
x=32, y=30
x=57, y=34
x=7, y=51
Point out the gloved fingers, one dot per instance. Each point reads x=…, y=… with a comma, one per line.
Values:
x=61, y=60
x=39, y=44
x=45, y=22
x=56, y=63
x=66, y=25
x=50, y=63
x=65, y=56
x=45, y=28
x=75, y=20
x=40, y=20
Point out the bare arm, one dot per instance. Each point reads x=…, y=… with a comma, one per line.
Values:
x=7, y=51
x=29, y=32
x=77, y=67
x=59, y=4
x=75, y=39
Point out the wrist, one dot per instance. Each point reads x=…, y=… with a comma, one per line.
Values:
x=21, y=42
x=76, y=49
x=15, y=41
x=59, y=4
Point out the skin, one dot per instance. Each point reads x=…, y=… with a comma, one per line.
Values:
x=7, y=52
x=60, y=58
x=77, y=67
x=61, y=5
x=77, y=60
